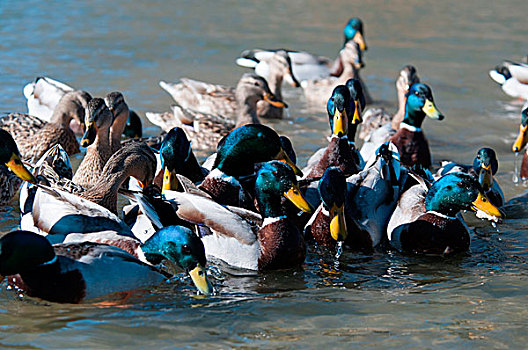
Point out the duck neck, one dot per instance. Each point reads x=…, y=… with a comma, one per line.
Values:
x=117, y=128
x=247, y=112
x=413, y=119
x=270, y=205
x=349, y=72
x=101, y=144
x=275, y=83
x=400, y=114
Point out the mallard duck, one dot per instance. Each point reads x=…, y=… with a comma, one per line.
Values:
x=35, y=136
x=344, y=119
x=425, y=222
x=54, y=211
x=220, y=100
x=305, y=66
x=10, y=181
x=378, y=125
x=96, y=139
x=235, y=163
x=316, y=91
x=71, y=273
x=521, y=141
x=485, y=166
x=372, y=195
x=206, y=130
x=513, y=78
x=410, y=139
x=330, y=222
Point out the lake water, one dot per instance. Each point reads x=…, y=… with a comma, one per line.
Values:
x=378, y=301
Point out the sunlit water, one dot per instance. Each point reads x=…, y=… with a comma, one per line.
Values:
x=380, y=300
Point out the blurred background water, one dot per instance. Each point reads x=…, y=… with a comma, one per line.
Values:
x=383, y=300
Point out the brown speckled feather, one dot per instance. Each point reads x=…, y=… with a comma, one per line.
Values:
x=9, y=184
x=281, y=246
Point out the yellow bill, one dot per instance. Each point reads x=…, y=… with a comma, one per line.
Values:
x=356, y=119
x=483, y=204
x=16, y=166
x=170, y=181
x=296, y=197
x=89, y=135
x=272, y=100
x=358, y=38
x=430, y=110
x=283, y=157
x=521, y=140
x=199, y=278
x=340, y=123
x=338, y=228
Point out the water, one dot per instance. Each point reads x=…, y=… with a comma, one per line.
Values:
x=383, y=300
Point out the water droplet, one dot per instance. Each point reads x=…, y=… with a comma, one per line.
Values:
x=516, y=168
x=287, y=112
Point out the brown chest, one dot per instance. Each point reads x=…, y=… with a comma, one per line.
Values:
x=281, y=246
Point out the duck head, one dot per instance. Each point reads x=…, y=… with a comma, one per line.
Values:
x=182, y=247
x=332, y=189
x=458, y=191
x=252, y=88
x=522, y=138
x=339, y=109
x=486, y=165
x=72, y=110
x=354, y=31
x=133, y=127
x=408, y=76
x=116, y=104
x=175, y=150
x=22, y=251
x=419, y=104
x=276, y=179
x=99, y=119
x=356, y=94
x=282, y=64
x=10, y=157
x=239, y=150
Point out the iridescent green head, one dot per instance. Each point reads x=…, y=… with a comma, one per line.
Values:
x=274, y=180
x=485, y=166
x=175, y=150
x=458, y=191
x=340, y=110
x=354, y=31
x=182, y=247
x=238, y=152
x=419, y=104
x=21, y=251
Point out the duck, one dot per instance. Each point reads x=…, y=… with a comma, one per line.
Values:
x=484, y=167
x=512, y=77
x=372, y=195
x=378, y=125
x=134, y=127
x=80, y=271
x=34, y=136
x=306, y=66
x=344, y=119
x=219, y=99
x=96, y=139
x=230, y=180
x=206, y=130
x=410, y=139
x=317, y=90
x=262, y=240
x=330, y=222
x=12, y=170
x=426, y=221
x=521, y=141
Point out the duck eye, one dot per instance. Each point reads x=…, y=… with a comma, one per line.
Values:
x=186, y=248
x=256, y=84
x=484, y=199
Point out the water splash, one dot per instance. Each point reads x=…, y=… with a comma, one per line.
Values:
x=516, y=168
x=287, y=112
x=339, y=252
